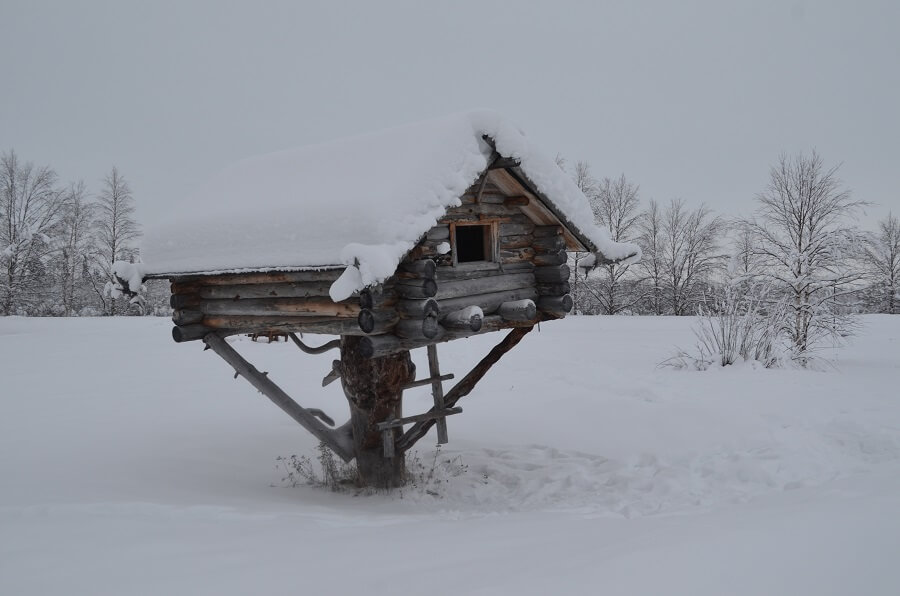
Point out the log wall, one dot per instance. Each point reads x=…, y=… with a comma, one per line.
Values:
x=431, y=298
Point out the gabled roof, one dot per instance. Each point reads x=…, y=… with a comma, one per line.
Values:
x=361, y=202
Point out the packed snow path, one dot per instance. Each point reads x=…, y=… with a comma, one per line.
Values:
x=130, y=465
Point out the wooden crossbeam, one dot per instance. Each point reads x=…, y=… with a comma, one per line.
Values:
x=429, y=415
x=465, y=386
x=428, y=381
x=386, y=427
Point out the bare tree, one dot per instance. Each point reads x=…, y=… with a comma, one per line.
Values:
x=589, y=186
x=76, y=245
x=805, y=240
x=30, y=207
x=615, y=206
x=690, y=253
x=651, y=240
x=882, y=257
x=116, y=232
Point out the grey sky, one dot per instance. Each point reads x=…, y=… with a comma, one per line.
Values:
x=689, y=99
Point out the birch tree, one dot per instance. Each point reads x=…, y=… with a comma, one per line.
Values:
x=650, y=239
x=615, y=206
x=116, y=232
x=76, y=246
x=30, y=206
x=804, y=237
x=690, y=254
x=882, y=257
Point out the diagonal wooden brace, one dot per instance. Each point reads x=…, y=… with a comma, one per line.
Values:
x=462, y=389
x=340, y=443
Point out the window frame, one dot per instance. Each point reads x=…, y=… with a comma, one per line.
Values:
x=492, y=243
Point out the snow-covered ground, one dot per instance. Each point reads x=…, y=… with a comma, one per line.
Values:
x=133, y=465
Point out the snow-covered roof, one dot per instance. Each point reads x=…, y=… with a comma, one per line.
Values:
x=361, y=202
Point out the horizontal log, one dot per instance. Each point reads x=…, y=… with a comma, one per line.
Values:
x=553, y=289
x=519, y=201
x=516, y=229
x=378, y=320
x=190, y=332
x=284, y=324
x=519, y=310
x=177, y=301
x=308, y=289
x=376, y=299
x=423, y=268
x=512, y=255
x=186, y=317
x=516, y=241
x=557, y=305
x=438, y=233
x=224, y=279
x=316, y=307
x=552, y=274
x=373, y=346
x=481, y=285
x=544, y=231
x=418, y=328
x=551, y=258
x=549, y=244
x=466, y=318
x=416, y=288
x=488, y=302
x=417, y=309
x=460, y=272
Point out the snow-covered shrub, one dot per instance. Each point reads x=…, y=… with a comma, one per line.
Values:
x=326, y=472
x=740, y=326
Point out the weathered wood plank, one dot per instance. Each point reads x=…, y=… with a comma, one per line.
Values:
x=516, y=229
x=310, y=289
x=516, y=255
x=544, y=231
x=427, y=328
x=437, y=391
x=449, y=274
x=225, y=279
x=481, y=285
x=317, y=307
x=516, y=241
x=428, y=381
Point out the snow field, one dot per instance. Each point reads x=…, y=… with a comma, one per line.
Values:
x=132, y=465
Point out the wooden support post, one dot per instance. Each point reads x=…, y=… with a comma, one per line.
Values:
x=374, y=390
x=465, y=386
x=437, y=392
x=337, y=442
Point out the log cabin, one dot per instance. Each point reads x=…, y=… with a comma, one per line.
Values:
x=393, y=241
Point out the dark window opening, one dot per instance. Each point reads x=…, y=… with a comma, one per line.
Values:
x=473, y=243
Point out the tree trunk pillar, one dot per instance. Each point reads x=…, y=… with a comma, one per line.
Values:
x=374, y=388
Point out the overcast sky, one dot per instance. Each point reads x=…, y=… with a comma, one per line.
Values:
x=689, y=99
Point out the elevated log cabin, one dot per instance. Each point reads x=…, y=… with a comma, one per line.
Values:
x=476, y=243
